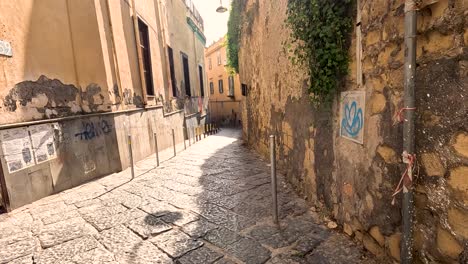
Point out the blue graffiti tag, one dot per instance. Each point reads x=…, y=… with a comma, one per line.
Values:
x=352, y=119
x=91, y=130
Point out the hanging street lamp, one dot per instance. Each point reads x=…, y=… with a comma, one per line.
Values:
x=221, y=8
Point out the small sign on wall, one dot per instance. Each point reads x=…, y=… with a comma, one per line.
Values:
x=17, y=149
x=5, y=48
x=27, y=146
x=42, y=138
x=352, y=110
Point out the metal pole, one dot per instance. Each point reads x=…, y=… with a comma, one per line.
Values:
x=183, y=136
x=273, y=178
x=188, y=135
x=130, y=152
x=173, y=142
x=408, y=130
x=157, y=151
x=194, y=136
x=4, y=193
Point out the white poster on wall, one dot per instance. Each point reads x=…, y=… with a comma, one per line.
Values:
x=352, y=110
x=42, y=137
x=16, y=148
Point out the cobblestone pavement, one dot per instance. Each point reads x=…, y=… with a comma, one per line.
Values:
x=210, y=204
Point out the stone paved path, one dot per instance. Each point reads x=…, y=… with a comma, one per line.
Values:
x=210, y=204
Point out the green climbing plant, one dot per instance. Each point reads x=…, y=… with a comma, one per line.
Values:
x=319, y=42
x=234, y=35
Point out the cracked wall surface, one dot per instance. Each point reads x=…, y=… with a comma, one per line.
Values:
x=354, y=182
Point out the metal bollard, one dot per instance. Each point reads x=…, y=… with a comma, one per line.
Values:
x=273, y=178
x=188, y=135
x=183, y=136
x=130, y=154
x=157, y=151
x=173, y=142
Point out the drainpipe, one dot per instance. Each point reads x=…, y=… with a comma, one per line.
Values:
x=114, y=53
x=408, y=129
x=140, y=55
x=159, y=6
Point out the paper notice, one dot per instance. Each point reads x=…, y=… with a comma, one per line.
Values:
x=17, y=149
x=42, y=137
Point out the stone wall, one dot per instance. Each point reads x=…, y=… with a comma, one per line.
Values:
x=355, y=182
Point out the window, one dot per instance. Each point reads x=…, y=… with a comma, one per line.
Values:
x=218, y=55
x=211, y=88
x=210, y=66
x=244, y=89
x=202, y=84
x=220, y=86
x=231, y=86
x=185, y=64
x=146, y=54
x=171, y=65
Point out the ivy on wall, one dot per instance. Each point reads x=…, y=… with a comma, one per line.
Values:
x=318, y=41
x=234, y=35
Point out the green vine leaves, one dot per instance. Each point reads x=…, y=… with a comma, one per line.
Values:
x=234, y=35
x=318, y=41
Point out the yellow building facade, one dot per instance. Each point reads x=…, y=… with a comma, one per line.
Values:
x=224, y=88
x=87, y=76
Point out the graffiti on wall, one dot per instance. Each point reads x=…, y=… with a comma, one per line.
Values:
x=5, y=48
x=352, y=109
x=91, y=130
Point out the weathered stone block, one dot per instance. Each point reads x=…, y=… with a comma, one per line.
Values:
x=63, y=231
x=249, y=251
x=432, y=164
x=377, y=103
x=201, y=255
x=460, y=144
x=394, y=245
x=372, y=246
x=175, y=243
x=12, y=251
x=459, y=182
x=148, y=226
x=347, y=229
x=388, y=154
x=447, y=244
x=377, y=84
x=377, y=235
x=458, y=220
x=67, y=250
x=434, y=42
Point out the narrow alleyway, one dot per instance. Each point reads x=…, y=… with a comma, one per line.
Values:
x=210, y=204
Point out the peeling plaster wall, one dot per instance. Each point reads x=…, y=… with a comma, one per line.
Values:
x=354, y=182
x=63, y=49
